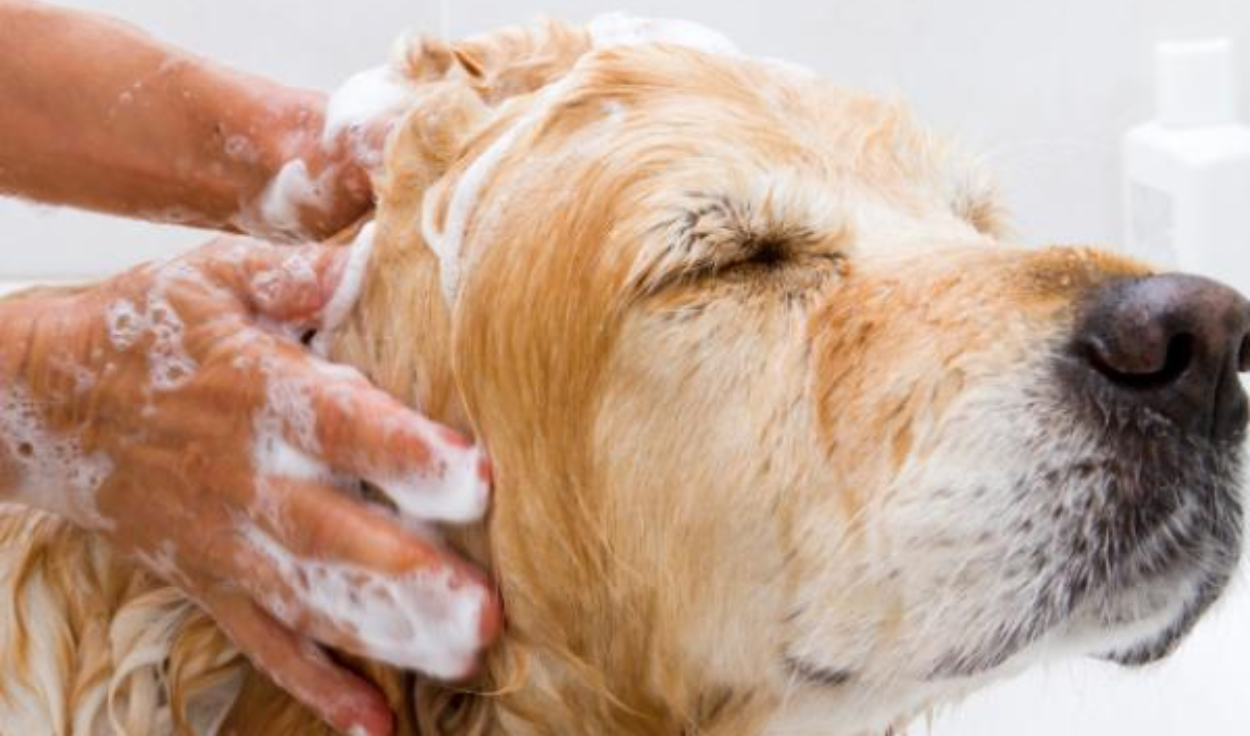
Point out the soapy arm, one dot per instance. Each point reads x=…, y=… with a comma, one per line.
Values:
x=174, y=410
x=99, y=115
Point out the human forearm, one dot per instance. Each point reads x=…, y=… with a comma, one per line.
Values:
x=100, y=115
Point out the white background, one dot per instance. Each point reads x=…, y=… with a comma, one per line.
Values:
x=1042, y=88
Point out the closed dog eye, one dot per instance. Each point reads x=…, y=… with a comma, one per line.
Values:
x=722, y=239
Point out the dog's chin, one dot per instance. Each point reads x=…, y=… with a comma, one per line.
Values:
x=1152, y=600
x=1145, y=626
x=1168, y=532
x=1150, y=650
x=1133, y=626
x=1137, y=619
x=1141, y=625
x=1128, y=604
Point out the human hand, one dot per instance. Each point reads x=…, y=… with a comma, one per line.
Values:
x=99, y=115
x=173, y=410
x=327, y=152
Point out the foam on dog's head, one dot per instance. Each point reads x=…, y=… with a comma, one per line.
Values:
x=448, y=243
x=448, y=208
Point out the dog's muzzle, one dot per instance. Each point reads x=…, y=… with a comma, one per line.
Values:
x=1153, y=371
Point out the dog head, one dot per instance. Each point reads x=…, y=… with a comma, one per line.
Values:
x=784, y=435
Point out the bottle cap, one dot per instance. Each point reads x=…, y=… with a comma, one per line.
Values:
x=1196, y=82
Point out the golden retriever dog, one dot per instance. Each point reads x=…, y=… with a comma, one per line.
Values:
x=787, y=440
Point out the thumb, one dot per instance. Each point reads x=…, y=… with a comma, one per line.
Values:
x=310, y=285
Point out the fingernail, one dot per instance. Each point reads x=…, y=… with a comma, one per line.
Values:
x=455, y=488
x=484, y=470
x=375, y=721
x=452, y=437
x=490, y=617
x=490, y=626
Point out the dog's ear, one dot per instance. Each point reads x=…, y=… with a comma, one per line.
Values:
x=501, y=64
x=427, y=141
x=456, y=88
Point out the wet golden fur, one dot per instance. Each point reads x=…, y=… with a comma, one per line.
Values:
x=666, y=421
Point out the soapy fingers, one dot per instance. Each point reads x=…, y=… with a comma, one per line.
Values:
x=175, y=410
x=348, y=703
x=321, y=522
x=395, y=598
x=292, y=284
x=429, y=472
x=288, y=284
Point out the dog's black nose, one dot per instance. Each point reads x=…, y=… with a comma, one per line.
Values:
x=1175, y=343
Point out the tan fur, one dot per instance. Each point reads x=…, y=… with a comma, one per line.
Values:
x=641, y=538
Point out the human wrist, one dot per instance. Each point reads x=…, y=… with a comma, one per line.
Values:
x=240, y=122
x=312, y=186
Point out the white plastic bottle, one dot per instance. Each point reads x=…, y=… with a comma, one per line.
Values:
x=1187, y=173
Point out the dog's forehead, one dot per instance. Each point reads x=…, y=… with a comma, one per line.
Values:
x=618, y=41
x=675, y=119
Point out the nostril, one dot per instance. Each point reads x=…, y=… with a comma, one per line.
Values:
x=1171, y=345
x=1177, y=358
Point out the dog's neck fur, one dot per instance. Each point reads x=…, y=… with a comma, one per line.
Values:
x=573, y=659
x=401, y=336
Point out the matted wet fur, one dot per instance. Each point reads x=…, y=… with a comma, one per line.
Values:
x=771, y=410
